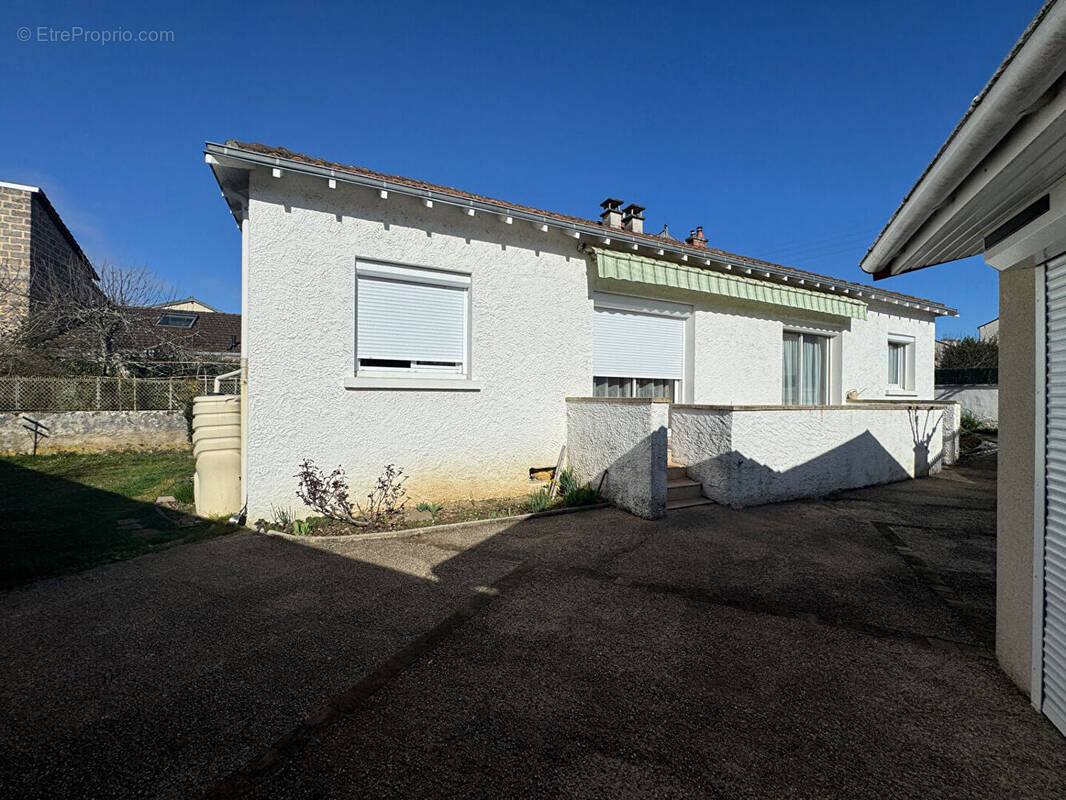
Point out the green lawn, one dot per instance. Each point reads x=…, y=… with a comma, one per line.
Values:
x=60, y=513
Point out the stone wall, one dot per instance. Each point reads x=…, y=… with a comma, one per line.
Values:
x=15, y=214
x=96, y=431
x=626, y=439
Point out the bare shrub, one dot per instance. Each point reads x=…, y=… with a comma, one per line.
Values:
x=328, y=494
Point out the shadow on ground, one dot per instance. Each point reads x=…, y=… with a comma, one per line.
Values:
x=789, y=649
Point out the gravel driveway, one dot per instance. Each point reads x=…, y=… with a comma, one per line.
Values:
x=809, y=649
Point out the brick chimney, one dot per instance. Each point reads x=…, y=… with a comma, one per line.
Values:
x=696, y=238
x=612, y=213
x=633, y=218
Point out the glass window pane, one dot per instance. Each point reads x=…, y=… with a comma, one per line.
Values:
x=599, y=387
x=812, y=376
x=790, y=375
x=655, y=387
x=895, y=364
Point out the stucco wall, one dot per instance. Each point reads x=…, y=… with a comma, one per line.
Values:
x=627, y=439
x=982, y=401
x=531, y=342
x=1014, y=512
x=96, y=431
x=749, y=456
x=532, y=321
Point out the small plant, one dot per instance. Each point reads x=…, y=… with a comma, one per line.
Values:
x=580, y=496
x=328, y=494
x=539, y=500
x=282, y=516
x=567, y=482
x=432, y=508
x=971, y=423
x=387, y=498
x=301, y=527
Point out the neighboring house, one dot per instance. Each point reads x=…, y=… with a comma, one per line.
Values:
x=188, y=304
x=38, y=253
x=389, y=320
x=212, y=335
x=998, y=187
x=988, y=331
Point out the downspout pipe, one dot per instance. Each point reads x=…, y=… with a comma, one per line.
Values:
x=1035, y=64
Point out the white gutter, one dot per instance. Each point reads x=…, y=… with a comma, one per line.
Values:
x=1037, y=61
x=214, y=152
x=223, y=376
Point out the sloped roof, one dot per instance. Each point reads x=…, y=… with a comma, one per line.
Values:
x=700, y=252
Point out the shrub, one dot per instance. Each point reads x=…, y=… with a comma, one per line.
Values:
x=971, y=423
x=970, y=352
x=567, y=482
x=387, y=498
x=327, y=494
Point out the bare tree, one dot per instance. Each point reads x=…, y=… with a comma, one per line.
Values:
x=75, y=323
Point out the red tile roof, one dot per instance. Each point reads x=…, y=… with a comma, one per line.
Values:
x=704, y=252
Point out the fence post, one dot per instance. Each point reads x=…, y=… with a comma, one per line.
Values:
x=18, y=383
x=97, y=392
x=170, y=394
x=134, y=392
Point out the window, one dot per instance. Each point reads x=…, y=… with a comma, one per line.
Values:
x=638, y=347
x=658, y=388
x=900, y=363
x=897, y=360
x=805, y=370
x=177, y=319
x=411, y=320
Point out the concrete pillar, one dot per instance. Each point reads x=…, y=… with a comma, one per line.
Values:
x=1018, y=359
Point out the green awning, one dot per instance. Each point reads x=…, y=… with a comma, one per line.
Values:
x=639, y=269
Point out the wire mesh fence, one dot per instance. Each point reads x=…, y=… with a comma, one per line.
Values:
x=106, y=394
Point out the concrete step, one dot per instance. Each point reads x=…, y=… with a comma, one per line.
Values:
x=673, y=505
x=676, y=473
x=683, y=489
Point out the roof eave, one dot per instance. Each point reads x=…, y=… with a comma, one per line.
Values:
x=1034, y=64
x=221, y=155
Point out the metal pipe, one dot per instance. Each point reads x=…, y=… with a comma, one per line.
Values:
x=222, y=377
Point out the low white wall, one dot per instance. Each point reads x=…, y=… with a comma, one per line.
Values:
x=626, y=438
x=749, y=455
x=980, y=400
x=95, y=431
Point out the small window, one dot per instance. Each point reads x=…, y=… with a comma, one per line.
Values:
x=805, y=370
x=900, y=364
x=654, y=388
x=177, y=319
x=411, y=320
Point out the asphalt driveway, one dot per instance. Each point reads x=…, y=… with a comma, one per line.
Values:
x=825, y=648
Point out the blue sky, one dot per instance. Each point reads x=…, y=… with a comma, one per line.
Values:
x=790, y=131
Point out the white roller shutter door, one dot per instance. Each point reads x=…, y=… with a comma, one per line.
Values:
x=629, y=344
x=1054, y=622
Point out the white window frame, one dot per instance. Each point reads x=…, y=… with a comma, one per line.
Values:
x=907, y=388
x=420, y=375
x=831, y=338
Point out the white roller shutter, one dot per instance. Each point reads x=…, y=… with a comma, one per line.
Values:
x=628, y=344
x=411, y=315
x=1054, y=622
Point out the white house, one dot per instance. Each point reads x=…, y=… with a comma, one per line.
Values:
x=388, y=320
x=998, y=187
